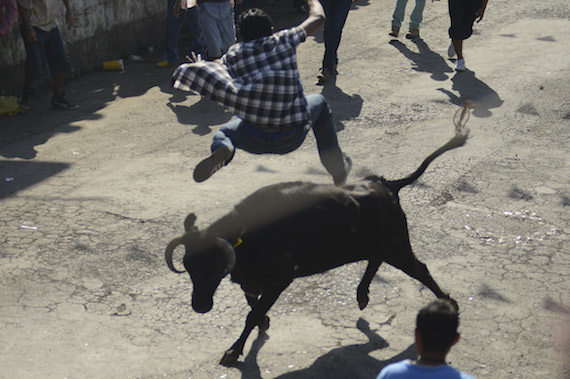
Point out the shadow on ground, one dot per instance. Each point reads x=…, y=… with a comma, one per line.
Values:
x=483, y=97
x=351, y=361
x=425, y=60
x=17, y=175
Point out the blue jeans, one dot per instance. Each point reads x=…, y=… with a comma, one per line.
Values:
x=415, y=16
x=173, y=27
x=336, y=12
x=218, y=25
x=235, y=134
x=48, y=48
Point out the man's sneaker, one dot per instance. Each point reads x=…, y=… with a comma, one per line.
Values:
x=460, y=65
x=325, y=75
x=60, y=102
x=213, y=163
x=395, y=31
x=414, y=33
x=25, y=98
x=340, y=179
x=451, y=50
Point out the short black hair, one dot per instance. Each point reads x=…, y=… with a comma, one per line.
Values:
x=437, y=324
x=254, y=23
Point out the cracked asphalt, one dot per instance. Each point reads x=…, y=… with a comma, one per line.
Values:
x=89, y=199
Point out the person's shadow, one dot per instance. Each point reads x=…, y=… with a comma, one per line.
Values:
x=425, y=60
x=483, y=97
x=344, y=107
x=351, y=361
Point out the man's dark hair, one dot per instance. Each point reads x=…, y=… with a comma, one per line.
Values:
x=437, y=324
x=254, y=23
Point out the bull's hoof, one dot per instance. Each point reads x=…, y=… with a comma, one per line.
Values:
x=454, y=304
x=264, y=324
x=230, y=358
x=362, y=301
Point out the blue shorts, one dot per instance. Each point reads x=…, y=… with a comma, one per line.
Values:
x=47, y=49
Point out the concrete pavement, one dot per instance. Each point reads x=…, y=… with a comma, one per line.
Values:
x=89, y=199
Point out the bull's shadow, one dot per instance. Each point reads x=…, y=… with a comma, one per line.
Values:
x=469, y=87
x=351, y=361
x=425, y=60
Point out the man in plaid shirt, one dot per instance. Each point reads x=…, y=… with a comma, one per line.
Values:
x=258, y=80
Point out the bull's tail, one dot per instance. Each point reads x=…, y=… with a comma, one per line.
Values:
x=461, y=134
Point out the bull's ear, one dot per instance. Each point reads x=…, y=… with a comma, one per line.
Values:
x=189, y=222
x=229, y=253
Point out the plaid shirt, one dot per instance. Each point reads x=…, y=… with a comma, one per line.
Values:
x=257, y=80
x=8, y=13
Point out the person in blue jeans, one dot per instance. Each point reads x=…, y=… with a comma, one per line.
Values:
x=258, y=80
x=415, y=18
x=175, y=17
x=336, y=12
x=218, y=25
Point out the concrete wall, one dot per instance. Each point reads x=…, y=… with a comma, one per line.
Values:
x=104, y=30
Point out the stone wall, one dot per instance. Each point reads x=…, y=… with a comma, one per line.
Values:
x=104, y=30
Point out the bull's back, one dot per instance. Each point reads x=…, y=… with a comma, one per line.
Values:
x=300, y=229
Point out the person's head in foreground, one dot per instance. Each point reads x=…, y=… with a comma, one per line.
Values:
x=436, y=330
x=255, y=23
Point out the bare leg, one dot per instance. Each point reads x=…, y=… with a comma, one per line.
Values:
x=458, y=46
x=58, y=84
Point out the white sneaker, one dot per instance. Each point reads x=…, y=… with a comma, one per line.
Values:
x=451, y=50
x=460, y=65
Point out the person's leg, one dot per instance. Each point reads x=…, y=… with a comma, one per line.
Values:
x=223, y=150
x=458, y=47
x=398, y=15
x=226, y=26
x=210, y=30
x=59, y=66
x=173, y=27
x=335, y=162
x=197, y=39
x=34, y=66
x=336, y=13
x=417, y=14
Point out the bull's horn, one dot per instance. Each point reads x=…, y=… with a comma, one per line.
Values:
x=229, y=253
x=168, y=254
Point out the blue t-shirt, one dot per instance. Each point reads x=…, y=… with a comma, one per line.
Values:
x=408, y=370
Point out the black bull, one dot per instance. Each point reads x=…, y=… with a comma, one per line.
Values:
x=289, y=230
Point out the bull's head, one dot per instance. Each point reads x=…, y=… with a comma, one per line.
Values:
x=208, y=259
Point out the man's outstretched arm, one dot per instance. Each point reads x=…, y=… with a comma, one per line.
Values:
x=316, y=17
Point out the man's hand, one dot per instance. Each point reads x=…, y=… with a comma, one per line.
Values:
x=480, y=14
x=31, y=35
x=193, y=58
x=481, y=11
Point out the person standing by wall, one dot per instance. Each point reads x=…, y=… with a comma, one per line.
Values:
x=463, y=14
x=44, y=44
x=176, y=12
x=218, y=26
x=336, y=12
